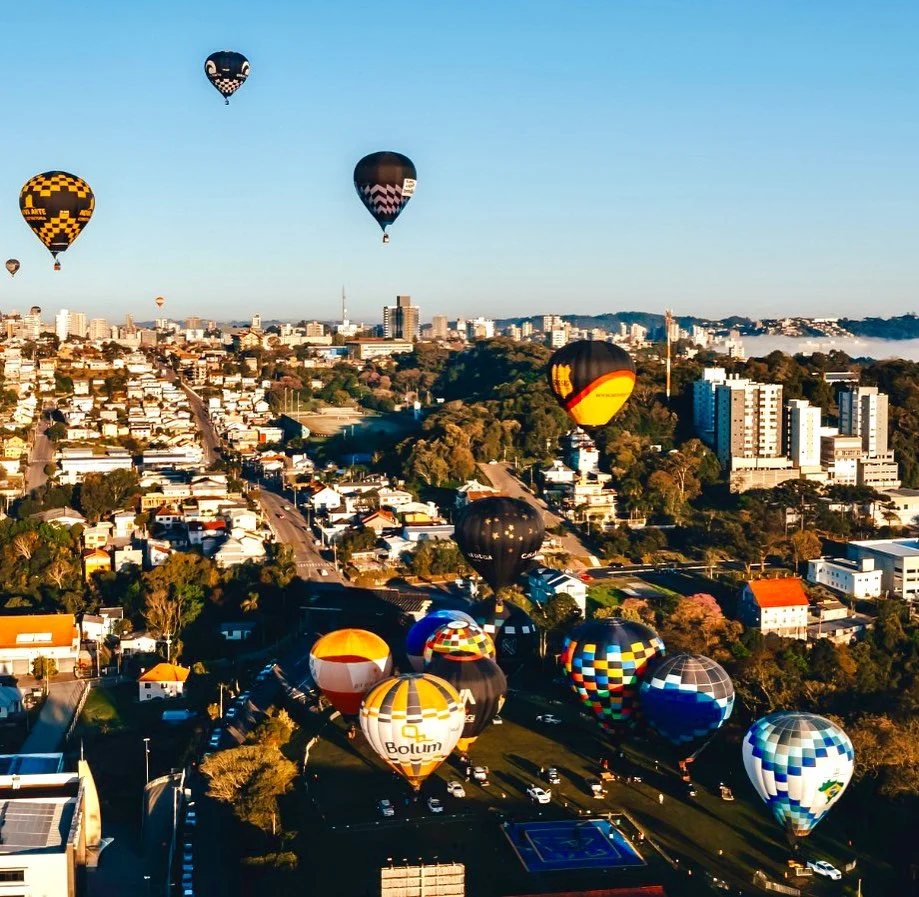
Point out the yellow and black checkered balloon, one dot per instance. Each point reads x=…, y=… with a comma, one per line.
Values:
x=57, y=206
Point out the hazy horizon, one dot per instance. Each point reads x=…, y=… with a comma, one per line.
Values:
x=714, y=159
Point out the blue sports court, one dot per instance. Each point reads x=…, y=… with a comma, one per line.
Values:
x=570, y=844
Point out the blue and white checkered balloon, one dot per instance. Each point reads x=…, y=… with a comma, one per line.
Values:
x=687, y=697
x=799, y=764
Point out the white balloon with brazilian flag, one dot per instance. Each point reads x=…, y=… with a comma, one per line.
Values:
x=413, y=722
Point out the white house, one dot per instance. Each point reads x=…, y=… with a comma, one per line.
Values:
x=859, y=579
x=544, y=583
x=24, y=637
x=238, y=549
x=138, y=643
x=324, y=497
x=165, y=680
x=775, y=606
x=61, y=516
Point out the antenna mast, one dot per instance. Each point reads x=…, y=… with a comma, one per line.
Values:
x=668, y=322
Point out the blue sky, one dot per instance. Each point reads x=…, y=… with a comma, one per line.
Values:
x=719, y=157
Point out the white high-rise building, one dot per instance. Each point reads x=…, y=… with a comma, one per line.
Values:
x=863, y=413
x=99, y=329
x=552, y=322
x=803, y=434
x=480, y=328
x=62, y=324
x=256, y=322
x=439, y=327
x=78, y=324
x=703, y=403
x=748, y=422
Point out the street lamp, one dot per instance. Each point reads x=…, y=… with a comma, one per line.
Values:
x=147, y=880
x=147, y=758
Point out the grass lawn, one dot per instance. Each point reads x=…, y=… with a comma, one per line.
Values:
x=339, y=819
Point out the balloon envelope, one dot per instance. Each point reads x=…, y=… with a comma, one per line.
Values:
x=12, y=265
x=686, y=697
x=482, y=687
x=57, y=206
x=346, y=663
x=799, y=764
x=413, y=722
x=499, y=536
x=605, y=660
x=423, y=629
x=591, y=380
x=385, y=182
x=227, y=70
x=510, y=627
x=160, y=301
x=460, y=640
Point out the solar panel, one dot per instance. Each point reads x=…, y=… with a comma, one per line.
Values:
x=26, y=825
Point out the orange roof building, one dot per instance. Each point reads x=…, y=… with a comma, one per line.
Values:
x=23, y=637
x=775, y=607
x=165, y=680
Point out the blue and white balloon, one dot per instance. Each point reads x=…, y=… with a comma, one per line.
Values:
x=419, y=634
x=799, y=764
x=687, y=697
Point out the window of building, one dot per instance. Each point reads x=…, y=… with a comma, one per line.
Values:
x=12, y=875
x=146, y=685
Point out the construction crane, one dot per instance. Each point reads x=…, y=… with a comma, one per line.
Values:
x=668, y=322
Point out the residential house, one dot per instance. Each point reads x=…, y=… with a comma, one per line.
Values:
x=544, y=583
x=419, y=532
x=472, y=490
x=775, y=606
x=61, y=516
x=27, y=636
x=238, y=549
x=95, y=560
x=380, y=521
x=138, y=643
x=322, y=497
x=10, y=702
x=127, y=557
x=97, y=535
x=165, y=680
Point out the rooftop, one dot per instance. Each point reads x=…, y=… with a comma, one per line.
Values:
x=165, y=672
x=901, y=548
x=785, y=592
x=52, y=630
x=35, y=824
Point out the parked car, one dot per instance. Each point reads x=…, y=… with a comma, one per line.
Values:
x=191, y=819
x=188, y=856
x=480, y=774
x=552, y=776
x=434, y=805
x=497, y=721
x=822, y=867
x=548, y=719
x=243, y=696
x=456, y=789
x=323, y=571
x=539, y=795
x=386, y=808
x=230, y=712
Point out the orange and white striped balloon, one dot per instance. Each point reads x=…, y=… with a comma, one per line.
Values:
x=346, y=664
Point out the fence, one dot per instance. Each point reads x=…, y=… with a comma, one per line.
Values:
x=759, y=879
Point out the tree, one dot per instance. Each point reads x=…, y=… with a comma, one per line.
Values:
x=805, y=545
x=44, y=667
x=888, y=752
x=99, y=494
x=250, y=779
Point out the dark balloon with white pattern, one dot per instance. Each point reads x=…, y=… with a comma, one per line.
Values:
x=385, y=182
x=227, y=70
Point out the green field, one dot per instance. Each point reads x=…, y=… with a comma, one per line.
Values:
x=345, y=780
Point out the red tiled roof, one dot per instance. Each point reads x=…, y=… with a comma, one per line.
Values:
x=786, y=592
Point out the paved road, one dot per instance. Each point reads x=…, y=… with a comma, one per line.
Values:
x=290, y=528
x=503, y=477
x=210, y=442
x=42, y=453
x=55, y=717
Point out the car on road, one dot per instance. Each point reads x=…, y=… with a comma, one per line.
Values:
x=552, y=776
x=434, y=805
x=191, y=818
x=456, y=789
x=497, y=721
x=586, y=577
x=323, y=571
x=243, y=696
x=539, y=795
x=230, y=712
x=188, y=856
x=822, y=867
x=386, y=808
x=548, y=719
x=287, y=508
x=690, y=789
x=480, y=774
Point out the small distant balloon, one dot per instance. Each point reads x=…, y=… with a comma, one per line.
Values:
x=227, y=70
x=12, y=265
x=35, y=310
x=160, y=301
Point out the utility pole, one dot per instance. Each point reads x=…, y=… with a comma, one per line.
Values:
x=147, y=758
x=668, y=321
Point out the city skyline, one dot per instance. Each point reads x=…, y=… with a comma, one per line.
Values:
x=755, y=158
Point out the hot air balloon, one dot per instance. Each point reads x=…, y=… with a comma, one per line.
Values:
x=498, y=536
x=346, y=663
x=160, y=301
x=385, y=182
x=482, y=687
x=799, y=764
x=459, y=640
x=12, y=265
x=412, y=722
x=35, y=310
x=686, y=697
x=423, y=629
x=57, y=206
x=513, y=632
x=605, y=661
x=227, y=70
x=591, y=380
